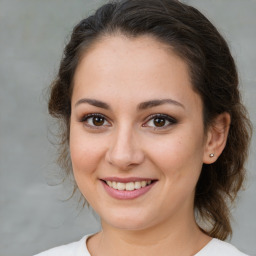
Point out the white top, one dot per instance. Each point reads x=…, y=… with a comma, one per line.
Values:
x=214, y=248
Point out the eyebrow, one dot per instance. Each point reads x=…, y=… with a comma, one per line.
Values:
x=93, y=102
x=141, y=106
x=155, y=103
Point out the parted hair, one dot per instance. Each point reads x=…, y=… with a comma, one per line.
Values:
x=213, y=75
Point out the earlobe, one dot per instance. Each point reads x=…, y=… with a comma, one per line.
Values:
x=216, y=138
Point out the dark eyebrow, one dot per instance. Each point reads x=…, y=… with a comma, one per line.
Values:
x=155, y=103
x=93, y=102
x=141, y=106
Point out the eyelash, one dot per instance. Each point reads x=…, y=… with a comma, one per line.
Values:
x=169, y=119
x=85, y=119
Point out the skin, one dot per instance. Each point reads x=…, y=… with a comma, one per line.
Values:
x=123, y=73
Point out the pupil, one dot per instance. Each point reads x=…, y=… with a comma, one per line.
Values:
x=98, y=121
x=159, y=122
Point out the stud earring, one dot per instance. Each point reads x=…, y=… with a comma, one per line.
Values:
x=211, y=155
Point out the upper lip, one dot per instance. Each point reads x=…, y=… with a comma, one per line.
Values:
x=126, y=180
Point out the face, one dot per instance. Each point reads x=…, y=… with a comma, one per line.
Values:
x=136, y=133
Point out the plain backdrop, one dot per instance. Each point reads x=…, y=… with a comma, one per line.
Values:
x=34, y=215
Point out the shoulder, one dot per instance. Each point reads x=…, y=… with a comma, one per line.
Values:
x=73, y=249
x=220, y=248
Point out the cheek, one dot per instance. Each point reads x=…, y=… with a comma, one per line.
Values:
x=180, y=164
x=85, y=152
x=179, y=157
x=85, y=156
x=177, y=149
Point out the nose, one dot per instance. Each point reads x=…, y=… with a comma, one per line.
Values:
x=124, y=151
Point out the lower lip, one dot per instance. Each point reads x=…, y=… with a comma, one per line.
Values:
x=126, y=194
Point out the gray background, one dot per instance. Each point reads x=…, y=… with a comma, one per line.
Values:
x=33, y=215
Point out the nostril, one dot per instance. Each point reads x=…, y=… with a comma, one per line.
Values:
x=123, y=153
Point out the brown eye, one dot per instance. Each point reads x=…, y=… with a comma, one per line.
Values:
x=98, y=121
x=159, y=122
x=95, y=120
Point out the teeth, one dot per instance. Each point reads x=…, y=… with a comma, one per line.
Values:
x=130, y=186
x=114, y=185
x=120, y=186
x=143, y=184
x=137, y=185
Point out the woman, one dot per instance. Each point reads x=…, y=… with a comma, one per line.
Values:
x=154, y=129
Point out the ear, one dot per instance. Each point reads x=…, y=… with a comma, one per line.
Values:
x=216, y=139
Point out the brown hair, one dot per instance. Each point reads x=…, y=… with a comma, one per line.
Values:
x=214, y=78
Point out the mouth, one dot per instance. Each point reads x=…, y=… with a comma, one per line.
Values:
x=128, y=186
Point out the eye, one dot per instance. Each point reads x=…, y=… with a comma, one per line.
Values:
x=95, y=120
x=160, y=121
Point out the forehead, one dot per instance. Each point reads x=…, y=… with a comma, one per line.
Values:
x=115, y=51
x=138, y=68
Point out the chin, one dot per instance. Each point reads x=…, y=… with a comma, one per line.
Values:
x=128, y=220
x=128, y=225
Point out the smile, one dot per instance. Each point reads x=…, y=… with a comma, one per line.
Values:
x=129, y=186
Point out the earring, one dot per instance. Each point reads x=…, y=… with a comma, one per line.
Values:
x=211, y=155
